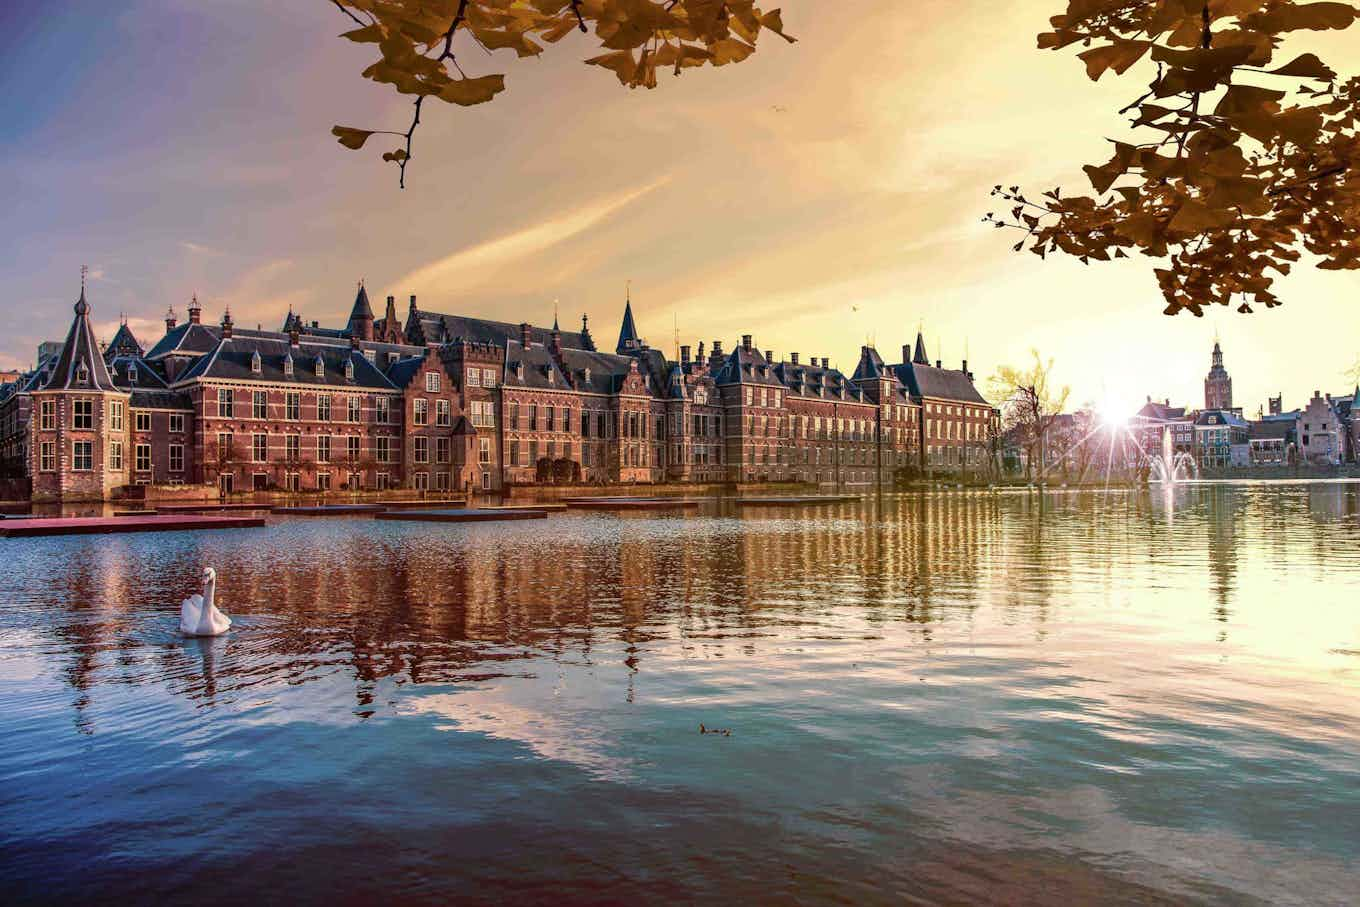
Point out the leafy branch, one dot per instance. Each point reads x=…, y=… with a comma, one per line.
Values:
x=415, y=39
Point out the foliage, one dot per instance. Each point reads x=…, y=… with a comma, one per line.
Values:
x=415, y=40
x=1235, y=177
x=1030, y=404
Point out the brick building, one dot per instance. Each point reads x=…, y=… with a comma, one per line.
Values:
x=446, y=402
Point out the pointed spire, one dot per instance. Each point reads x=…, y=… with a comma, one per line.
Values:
x=361, y=315
x=587, y=341
x=628, y=336
x=919, y=357
x=80, y=364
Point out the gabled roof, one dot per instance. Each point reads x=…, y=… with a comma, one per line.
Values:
x=80, y=366
x=870, y=365
x=1219, y=417
x=123, y=343
x=938, y=383
x=1153, y=411
x=187, y=339
x=746, y=366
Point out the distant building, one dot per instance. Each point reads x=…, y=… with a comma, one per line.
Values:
x=1218, y=385
x=1320, y=438
x=1270, y=441
x=1216, y=433
x=1151, y=422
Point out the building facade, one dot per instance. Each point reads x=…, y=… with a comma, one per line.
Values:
x=1218, y=385
x=444, y=403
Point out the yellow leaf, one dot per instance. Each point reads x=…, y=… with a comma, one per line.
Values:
x=351, y=137
x=467, y=92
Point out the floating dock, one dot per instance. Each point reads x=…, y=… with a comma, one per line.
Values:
x=208, y=508
x=329, y=509
x=423, y=505
x=810, y=500
x=463, y=515
x=622, y=503
x=91, y=525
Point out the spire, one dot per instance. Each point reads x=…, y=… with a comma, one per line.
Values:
x=628, y=336
x=361, y=315
x=920, y=357
x=80, y=365
x=195, y=310
x=587, y=341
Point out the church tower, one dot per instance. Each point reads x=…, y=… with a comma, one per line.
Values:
x=1217, y=385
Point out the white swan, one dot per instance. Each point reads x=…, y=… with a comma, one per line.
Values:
x=198, y=615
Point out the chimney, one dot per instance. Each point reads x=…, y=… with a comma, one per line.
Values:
x=353, y=339
x=793, y=357
x=170, y=320
x=701, y=352
x=316, y=324
x=195, y=311
x=965, y=368
x=769, y=355
x=684, y=355
x=525, y=334
x=226, y=324
x=826, y=362
x=746, y=342
x=939, y=363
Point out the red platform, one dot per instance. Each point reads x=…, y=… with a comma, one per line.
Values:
x=89, y=525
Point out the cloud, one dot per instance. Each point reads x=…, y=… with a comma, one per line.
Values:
x=197, y=248
x=467, y=266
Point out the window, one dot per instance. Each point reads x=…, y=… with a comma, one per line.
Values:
x=83, y=374
x=323, y=408
x=349, y=370
x=441, y=481
x=323, y=481
x=115, y=415
x=142, y=453
x=116, y=455
x=48, y=412
x=551, y=416
x=422, y=449
x=585, y=424
x=293, y=482
x=533, y=417
x=82, y=455
x=442, y=450
x=292, y=447
x=82, y=414
x=420, y=413
x=47, y=456
x=132, y=373
x=319, y=367
x=421, y=481
x=353, y=409
x=323, y=448
x=292, y=406
x=488, y=377
x=177, y=458
x=512, y=416
x=224, y=403
x=513, y=459
x=382, y=406
x=352, y=448
x=255, y=363
x=259, y=448
x=474, y=377
x=142, y=421
x=432, y=382
x=288, y=366
x=384, y=444
x=177, y=423
x=259, y=405
x=224, y=445
x=484, y=414
x=442, y=413
x=483, y=450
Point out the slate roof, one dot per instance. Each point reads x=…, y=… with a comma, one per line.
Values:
x=147, y=378
x=1161, y=412
x=187, y=338
x=163, y=399
x=437, y=327
x=606, y=370
x=747, y=366
x=232, y=359
x=813, y=381
x=939, y=383
x=1219, y=417
x=80, y=349
x=123, y=343
x=1273, y=430
x=628, y=335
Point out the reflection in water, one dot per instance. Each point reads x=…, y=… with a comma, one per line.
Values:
x=1124, y=695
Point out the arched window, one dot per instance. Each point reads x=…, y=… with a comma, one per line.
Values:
x=255, y=364
x=349, y=369
x=288, y=366
x=320, y=367
x=83, y=374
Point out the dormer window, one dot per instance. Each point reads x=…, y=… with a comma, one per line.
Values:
x=371, y=355
x=349, y=370
x=288, y=366
x=587, y=375
x=132, y=373
x=519, y=369
x=255, y=364
x=320, y=367
x=83, y=374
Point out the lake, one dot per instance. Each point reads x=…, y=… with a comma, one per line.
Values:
x=1146, y=696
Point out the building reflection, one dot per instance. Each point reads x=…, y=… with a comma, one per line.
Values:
x=414, y=604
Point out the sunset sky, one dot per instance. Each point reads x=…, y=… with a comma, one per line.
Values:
x=817, y=195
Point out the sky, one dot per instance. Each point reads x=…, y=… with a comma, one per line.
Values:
x=817, y=196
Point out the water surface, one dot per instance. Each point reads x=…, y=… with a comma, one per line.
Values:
x=1131, y=697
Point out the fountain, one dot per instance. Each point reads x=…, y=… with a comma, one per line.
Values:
x=1171, y=466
